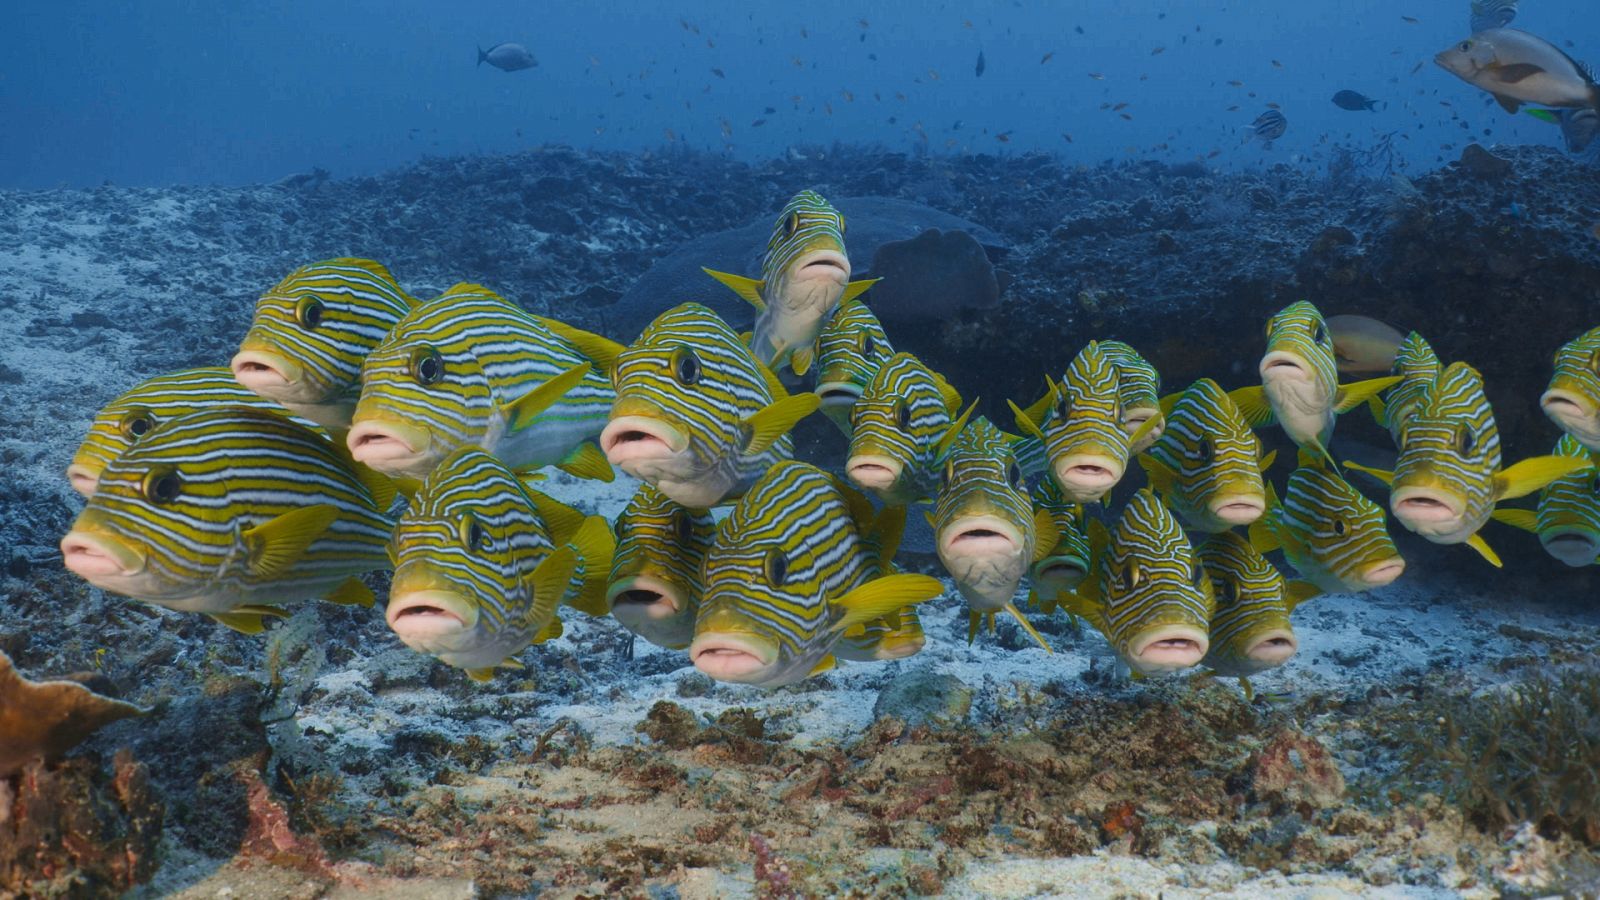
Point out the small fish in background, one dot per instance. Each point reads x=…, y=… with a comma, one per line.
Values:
x=1250, y=630
x=1567, y=520
x=791, y=571
x=1331, y=533
x=850, y=349
x=1516, y=67
x=1579, y=127
x=978, y=69
x=654, y=585
x=482, y=563
x=1208, y=465
x=233, y=512
x=1268, y=127
x=1147, y=593
x=1487, y=14
x=901, y=429
x=1363, y=345
x=1356, y=102
x=1447, y=478
x=1572, y=399
x=1418, y=366
x=507, y=57
x=1066, y=564
x=1139, y=389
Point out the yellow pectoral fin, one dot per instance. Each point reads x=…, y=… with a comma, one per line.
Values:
x=594, y=545
x=561, y=521
x=882, y=596
x=481, y=676
x=603, y=350
x=521, y=412
x=277, y=544
x=352, y=592
x=549, y=582
x=1160, y=476
x=1268, y=460
x=1253, y=405
x=1017, y=614
x=407, y=487
x=1477, y=543
x=247, y=622
x=776, y=418
x=1149, y=425
x=1039, y=410
x=587, y=461
x=1262, y=536
x=800, y=360
x=1525, y=519
x=1380, y=413
x=888, y=528
x=823, y=665
x=775, y=388
x=1353, y=395
x=748, y=288
x=1083, y=607
x=953, y=433
x=1382, y=475
x=1168, y=402
x=1045, y=534
x=1297, y=592
x=1307, y=459
x=856, y=288
x=1025, y=424
x=1534, y=473
x=549, y=632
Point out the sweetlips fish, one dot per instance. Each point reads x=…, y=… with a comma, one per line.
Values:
x=310, y=333
x=1516, y=67
x=805, y=275
x=1208, y=464
x=1417, y=366
x=482, y=563
x=1448, y=477
x=1332, y=534
x=469, y=369
x=986, y=531
x=1572, y=400
x=697, y=415
x=1148, y=593
x=1080, y=425
x=850, y=349
x=898, y=634
x=1568, y=518
x=654, y=586
x=1250, y=631
x=902, y=426
x=1139, y=388
x=137, y=411
x=233, y=512
x=1067, y=563
x=788, y=575
x=1300, y=387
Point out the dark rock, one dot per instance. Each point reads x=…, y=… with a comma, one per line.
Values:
x=924, y=698
x=1483, y=165
x=91, y=320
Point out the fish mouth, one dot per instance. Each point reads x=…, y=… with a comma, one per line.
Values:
x=629, y=440
x=732, y=657
x=1573, y=546
x=1421, y=507
x=271, y=375
x=644, y=598
x=1084, y=477
x=100, y=558
x=1573, y=412
x=838, y=393
x=1279, y=365
x=1236, y=509
x=390, y=447
x=1168, y=648
x=1383, y=572
x=1064, y=570
x=84, y=478
x=829, y=265
x=979, y=536
x=873, y=472
x=1273, y=648
x=429, y=616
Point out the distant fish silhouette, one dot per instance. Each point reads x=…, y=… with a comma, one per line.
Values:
x=507, y=57
x=1268, y=127
x=981, y=65
x=1356, y=101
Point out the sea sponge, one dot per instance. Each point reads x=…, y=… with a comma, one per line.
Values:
x=48, y=718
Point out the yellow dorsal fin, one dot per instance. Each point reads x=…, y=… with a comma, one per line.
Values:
x=1382, y=475
x=1252, y=403
x=856, y=288
x=948, y=393
x=882, y=596
x=602, y=350
x=1533, y=473
x=953, y=433
x=586, y=461
x=521, y=412
x=776, y=418
x=748, y=288
x=1025, y=424
x=561, y=521
x=1353, y=395
x=824, y=664
x=594, y=544
x=1039, y=409
x=352, y=592
x=1021, y=620
x=1477, y=543
x=800, y=360
x=1297, y=592
x=1147, y=426
x=1525, y=519
x=1160, y=475
x=549, y=582
x=278, y=543
x=1268, y=460
x=1045, y=534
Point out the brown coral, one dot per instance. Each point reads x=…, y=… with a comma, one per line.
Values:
x=48, y=718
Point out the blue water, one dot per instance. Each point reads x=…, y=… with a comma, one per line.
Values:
x=165, y=91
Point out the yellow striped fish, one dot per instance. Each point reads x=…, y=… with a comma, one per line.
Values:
x=482, y=563
x=901, y=428
x=1148, y=593
x=1448, y=478
x=696, y=415
x=1250, y=631
x=805, y=275
x=986, y=530
x=232, y=512
x=1572, y=400
x=899, y=634
x=468, y=369
x=1417, y=366
x=654, y=587
x=788, y=575
x=312, y=330
x=1330, y=532
x=1208, y=464
x=1568, y=518
x=1067, y=563
x=849, y=351
x=1140, y=392
x=138, y=410
x=1081, y=427
x=1300, y=387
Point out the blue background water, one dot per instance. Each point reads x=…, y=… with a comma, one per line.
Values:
x=166, y=91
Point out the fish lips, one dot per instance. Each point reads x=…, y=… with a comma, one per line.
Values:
x=835, y=394
x=1238, y=509
x=1167, y=648
x=105, y=561
x=645, y=598
x=821, y=265
x=633, y=442
x=84, y=478
x=1382, y=572
x=1060, y=573
x=1085, y=477
x=274, y=376
x=1280, y=365
x=873, y=472
x=1272, y=649
x=979, y=536
x=1573, y=413
x=432, y=620
x=1577, y=547
x=732, y=656
x=1427, y=511
x=391, y=447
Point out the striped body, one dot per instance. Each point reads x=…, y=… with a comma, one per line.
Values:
x=685, y=392
x=1443, y=486
x=1084, y=436
x=803, y=275
x=654, y=586
x=312, y=330
x=1067, y=563
x=1250, y=630
x=1300, y=375
x=141, y=408
x=1417, y=366
x=450, y=375
x=898, y=430
x=468, y=554
x=849, y=351
x=1207, y=466
x=1572, y=400
x=1569, y=510
x=983, y=520
x=1332, y=534
x=1139, y=387
x=192, y=518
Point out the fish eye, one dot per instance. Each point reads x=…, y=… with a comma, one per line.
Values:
x=1466, y=441
x=619, y=527
x=792, y=224
x=1466, y=46
x=1321, y=334
x=682, y=527
x=685, y=366
x=775, y=566
x=426, y=365
x=1225, y=589
x=1594, y=361
x=868, y=345
x=1339, y=527
x=135, y=424
x=1134, y=575
x=473, y=535
x=1063, y=403
x=161, y=485
x=1204, y=451
x=902, y=414
x=308, y=312
x=949, y=471
x=1014, y=475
